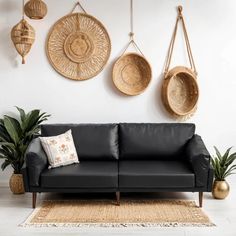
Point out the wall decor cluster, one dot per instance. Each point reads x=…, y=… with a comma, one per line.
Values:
x=78, y=45
x=23, y=36
x=180, y=90
x=131, y=72
x=35, y=9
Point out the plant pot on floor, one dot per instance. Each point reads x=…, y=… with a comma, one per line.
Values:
x=16, y=184
x=220, y=189
x=223, y=166
x=16, y=133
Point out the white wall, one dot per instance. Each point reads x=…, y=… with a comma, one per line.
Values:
x=212, y=31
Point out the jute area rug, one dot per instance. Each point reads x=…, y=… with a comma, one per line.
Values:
x=141, y=213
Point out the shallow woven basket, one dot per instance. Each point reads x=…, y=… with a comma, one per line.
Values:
x=180, y=91
x=23, y=37
x=131, y=74
x=78, y=46
x=35, y=9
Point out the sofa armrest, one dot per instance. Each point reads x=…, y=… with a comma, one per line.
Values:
x=36, y=161
x=24, y=173
x=199, y=158
x=210, y=178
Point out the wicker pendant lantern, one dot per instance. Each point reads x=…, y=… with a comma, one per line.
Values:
x=35, y=9
x=23, y=37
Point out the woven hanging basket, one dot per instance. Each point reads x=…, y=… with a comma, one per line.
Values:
x=35, y=9
x=23, y=37
x=78, y=46
x=131, y=74
x=180, y=92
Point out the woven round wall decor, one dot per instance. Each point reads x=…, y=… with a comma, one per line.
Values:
x=78, y=46
x=131, y=74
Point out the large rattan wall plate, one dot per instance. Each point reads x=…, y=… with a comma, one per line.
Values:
x=78, y=46
x=180, y=92
x=131, y=74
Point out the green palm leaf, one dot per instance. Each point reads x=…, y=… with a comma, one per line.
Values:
x=6, y=144
x=223, y=165
x=217, y=152
x=225, y=156
x=22, y=113
x=5, y=164
x=31, y=119
x=13, y=128
x=4, y=136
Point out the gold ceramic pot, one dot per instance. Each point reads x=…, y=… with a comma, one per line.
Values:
x=220, y=189
x=16, y=184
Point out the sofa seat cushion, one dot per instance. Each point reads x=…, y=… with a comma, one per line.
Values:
x=155, y=174
x=87, y=174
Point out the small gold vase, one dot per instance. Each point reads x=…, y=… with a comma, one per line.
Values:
x=220, y=189
x=16, y=184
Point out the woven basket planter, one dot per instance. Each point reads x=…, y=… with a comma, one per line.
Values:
x=16, y=184
x=180, y=91
x=131, y=74
x=23, y=37
x=35, y=9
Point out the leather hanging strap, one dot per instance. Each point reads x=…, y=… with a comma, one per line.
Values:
x=78, y=5
x=172, y=42
x=131, y=34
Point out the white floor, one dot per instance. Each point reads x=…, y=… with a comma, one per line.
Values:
x=14, y=209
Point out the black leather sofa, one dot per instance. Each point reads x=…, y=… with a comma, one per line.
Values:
x=124, y=157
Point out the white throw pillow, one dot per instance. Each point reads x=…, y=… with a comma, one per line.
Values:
x=60, y=149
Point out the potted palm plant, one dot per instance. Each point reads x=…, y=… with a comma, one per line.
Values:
x=223, y=167
x=15, y=136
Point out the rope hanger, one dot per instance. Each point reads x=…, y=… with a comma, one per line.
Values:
x=171, y=47
x=78, y=4
x=131, y=34
x=23, y=9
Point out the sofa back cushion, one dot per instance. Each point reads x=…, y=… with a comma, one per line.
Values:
x=92, y=141
x=154, y=141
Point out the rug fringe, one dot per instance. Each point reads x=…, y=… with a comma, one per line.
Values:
x=117, y=225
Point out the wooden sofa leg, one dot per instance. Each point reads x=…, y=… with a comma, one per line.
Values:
x=34, y=198
x=200, y=198
x=118, y=198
